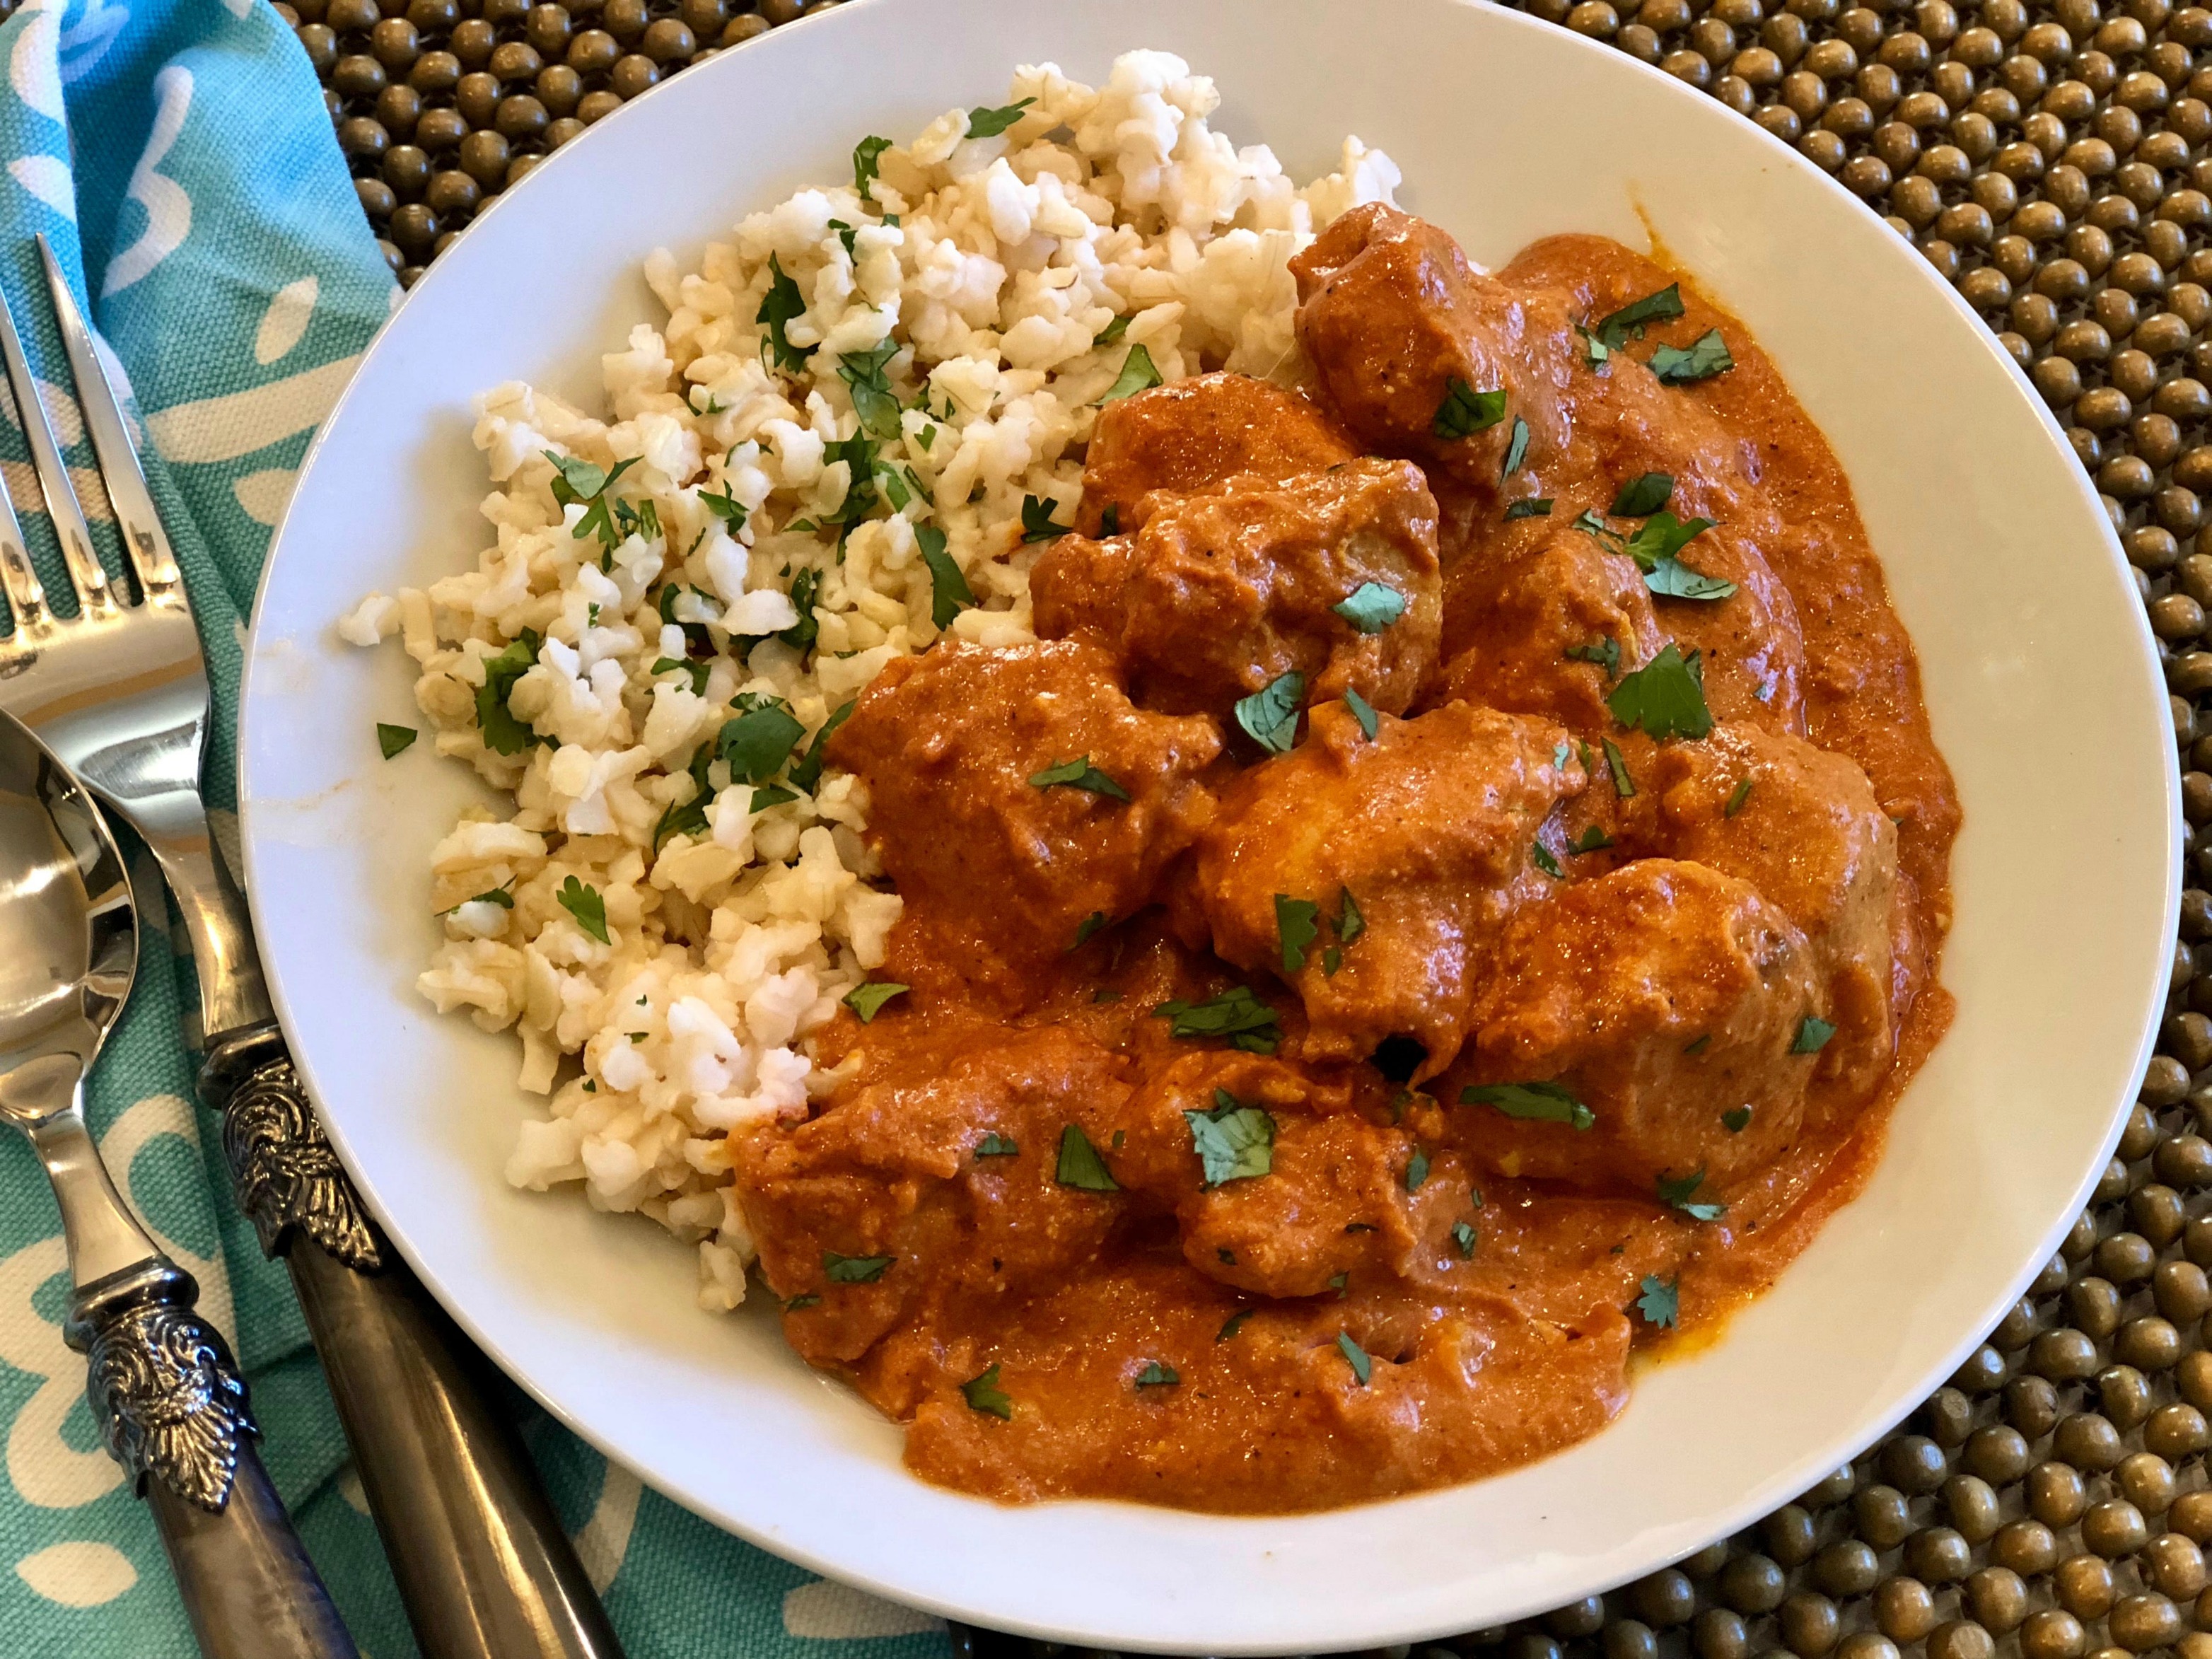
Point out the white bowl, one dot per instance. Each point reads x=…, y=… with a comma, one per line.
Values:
x=2039, y=671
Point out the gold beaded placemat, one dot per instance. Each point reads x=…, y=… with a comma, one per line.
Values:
x=2051, y=159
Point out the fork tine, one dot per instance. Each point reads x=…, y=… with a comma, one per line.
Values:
x=26, y=596
x=86, y=573
x=133, y=504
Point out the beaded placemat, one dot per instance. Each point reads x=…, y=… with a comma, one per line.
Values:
x=2050, y=158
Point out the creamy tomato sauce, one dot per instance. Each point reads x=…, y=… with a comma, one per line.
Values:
x=1303, y=1100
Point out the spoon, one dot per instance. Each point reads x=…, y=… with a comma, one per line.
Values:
x=168, y=1399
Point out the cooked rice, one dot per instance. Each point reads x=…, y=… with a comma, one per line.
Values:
x=1011, y=256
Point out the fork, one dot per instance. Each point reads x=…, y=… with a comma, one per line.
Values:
x=120, y=691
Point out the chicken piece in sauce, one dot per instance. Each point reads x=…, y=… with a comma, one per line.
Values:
x=1413, y=846
x=1664, y=998
x=1016, y=794
x=1221, y=593
x=1802, y=826
x=1196, y=433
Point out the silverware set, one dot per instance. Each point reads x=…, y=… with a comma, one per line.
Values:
x=105, y=706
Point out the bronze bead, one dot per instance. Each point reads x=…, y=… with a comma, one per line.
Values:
x=2053, y=1635
x=1904, y=1610
x=2055, y=1495
x=398, y=109
x=1576, y=1619
x=521, y=168
x=2084, y=1587
x=2126, y=478
x=439, y=130
x=414, y=227
x=1780, y=120
x=1719, y=1634
x=1938, y=1556
x=747, y=25
x=513, y=60
x=1530, y=1645
x=2157, y=439
x=1810, y=1624
x=2114, y=311
x=519, y=120
x=2140, y=1623
x=375, y=197
x=594, y=52
x=1847, y=1567
x=561, y=131
x=2185, y=1161
x=633, y=75
x=1961, y=1638
x=476, y=97
x=1628, y=1638
x=2148, y=1481
x=547, y=28
x=779, y=12
x=471, y=41
x=407, y=170
x=558, y=87
x=1972, y=1507
x=667, y=41
x=595, y=105
x=451, y=194
x=351, y=17
x=704, y=18
x=483, y=157
x=357, y=75
x=362, y=139
x=393, y=257
x=1881, y=1516
x=2114, y=1529
x=1861, y=27
x=1866, y=1644
x=1687, y=66
x=434, y=72
x=2026, y=1547
x=1665, y=1599
x=434, y=16
x=625, y=19
x=2161, y=335
x=1752, y=1584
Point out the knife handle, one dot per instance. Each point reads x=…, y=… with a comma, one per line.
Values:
x=482, y=1566
x=171, y=1410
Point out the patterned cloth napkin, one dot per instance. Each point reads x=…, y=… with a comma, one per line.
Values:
x=178, y=155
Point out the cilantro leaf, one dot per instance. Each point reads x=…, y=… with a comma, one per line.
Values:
x=503, y=897
x=778, y=307
x=866, y=999
x=585, y=904
x=854, y=1269
x=758, y=742
x=503, y=732
x=1080, y=1164
x=1158, y=1376
x=1078, y=774
x=1463, y=1239
x=1036, y=519
x=995, y=1145
x=1350, y=924
x=1640, y=497
x=1109, y=521
x=1702, y=358
x=1615, y=331
x=801, y=634
x=1812, y=1036
x=1660, y=1302
x=1113, y=331
x=1465, y=411
x=1089, y=925
x=808, y=1299
x=1592, y=840
x=1371, y=607
x=1677, y=1194
x=1270, y=715
x=1297, y=924
x=873, y=402
x=725, y=506
x=764, y=799
x=1670, y=579
x=1362, y=711
x=1736, y=801
x=866, y=154
x=1517, y=449
x=1541, y=1102
x=990, y=123
x=1617, y=763
x=1138, y=374
x=1737, y=1122
x=1595, y=350
x=1541, y=855
x=1665, y=697
x=1535, y=507
x=1417, y=1169
x=1233, y=1324
x=393, y=739
x=984, y=1394
x=808, y=772
x=1356, y=1356
x=1247, y=1021
x=1234, y=1142
x=950, y=593
x=1605, y=652
x=1699, y=1046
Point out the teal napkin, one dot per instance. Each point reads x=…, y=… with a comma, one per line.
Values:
x=177, y=154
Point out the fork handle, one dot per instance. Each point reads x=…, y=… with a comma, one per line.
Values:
x=172, y=1409
x=482, y=1564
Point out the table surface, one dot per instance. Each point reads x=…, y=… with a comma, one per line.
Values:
x=2051, y=159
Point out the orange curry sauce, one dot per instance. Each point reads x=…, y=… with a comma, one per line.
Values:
x=1301, y=1244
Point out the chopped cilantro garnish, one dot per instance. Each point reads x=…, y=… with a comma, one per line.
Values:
x=1542, y=1102
x=1592, y=840
x=1595, y=350
x=1465, y=411
x=1736, y=800
x=984, y=1394
x=865, y=156
x=1615, y=331
x=1665, y=697
x=1089, y=925
x=756, y=744
x=1535, y=507
x=1417, y=1170
x=854, y=1269
x=1158, y=1376
x=1138, y=374
x=1270, y=715
x=1737, y=1122
x=801, y=634
x=1233, y=1324
x=1371, y=607
x=1640, y=497
x=1109, y=521
x=1617, y=764
x=1463, y=1237
x=1078, y=774
x=1340, y=1283
x=1236, y=1014
x=1677, y=1192
x=503, y=732
x=393, y=739
x=1517, y=449
x=1362, y=711
x=574, y=482
x=1080, y=1164
x=1670, y=579
x=873, y=401
x=1604, y=652
x=950, y=593
x=1705, y=357
x=990, y=123
x=1297, y=924
x=1113, y=331
x=1660, y=1302
x=995, y=1145
x=1036, y=519
x=1812, y=1034
x=726, y=507
x=1699, y=1045
x=1234, y=1142
x=777, y=306
x=866, y=999
x=805, y=1299
x=1541, y=856
x=1332, y=959
x=585, y=904
x=499, y=895
x=764, y=799
x=1356, y=1356
x=808, y=772
x=1350, y=924
x=714, y=405
x=1106, y=994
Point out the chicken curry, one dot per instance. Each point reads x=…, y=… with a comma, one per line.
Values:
x=1445, y=903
